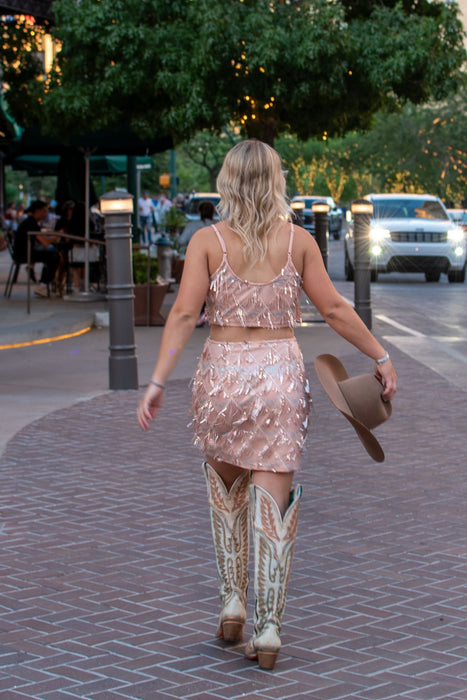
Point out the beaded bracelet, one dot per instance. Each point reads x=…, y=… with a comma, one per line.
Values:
x=159, y=386
x=383, y=359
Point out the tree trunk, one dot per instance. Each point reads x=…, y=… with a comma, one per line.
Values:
x=213, y=179
x=263, y=130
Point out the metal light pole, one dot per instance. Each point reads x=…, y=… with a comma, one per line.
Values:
x=321, y=210
x=362, y=210
x=132, y=187
x=117, y=207
x=173, y=175
x=86, y=294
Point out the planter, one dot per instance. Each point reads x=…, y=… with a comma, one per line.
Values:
x=147, y=304
x=177, y=269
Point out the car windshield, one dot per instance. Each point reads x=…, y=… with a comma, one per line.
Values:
x=404, y=208
x=193, y=205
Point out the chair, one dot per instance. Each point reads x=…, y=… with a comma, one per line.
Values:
x=14, y=267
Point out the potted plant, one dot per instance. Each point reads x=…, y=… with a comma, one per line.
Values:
x=174, y=220
x=149, y=294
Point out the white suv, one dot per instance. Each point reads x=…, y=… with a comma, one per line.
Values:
x=411, y=233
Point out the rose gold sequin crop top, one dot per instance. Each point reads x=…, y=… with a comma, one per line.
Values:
x=232, y=301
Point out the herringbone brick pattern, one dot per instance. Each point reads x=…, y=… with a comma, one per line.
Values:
x=108, y=584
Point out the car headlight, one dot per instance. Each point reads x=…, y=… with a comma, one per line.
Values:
x=377, y=234
x=456, y=235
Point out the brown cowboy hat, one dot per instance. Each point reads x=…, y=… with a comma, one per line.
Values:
x=358, y=399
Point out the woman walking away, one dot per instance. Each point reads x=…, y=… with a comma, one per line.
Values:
x=250, y=392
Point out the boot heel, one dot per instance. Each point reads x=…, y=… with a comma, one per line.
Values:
x=267, y=659
x=232, y=631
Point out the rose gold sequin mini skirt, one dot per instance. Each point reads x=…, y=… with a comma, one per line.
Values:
x=251, y=403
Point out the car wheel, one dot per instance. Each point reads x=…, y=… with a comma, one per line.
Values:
x=432, y=275
x=349, y=271
x=457, y=275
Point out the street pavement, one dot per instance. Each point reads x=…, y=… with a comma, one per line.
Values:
x=108, y=587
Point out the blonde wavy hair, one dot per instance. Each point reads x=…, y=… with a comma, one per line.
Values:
x=251, y=184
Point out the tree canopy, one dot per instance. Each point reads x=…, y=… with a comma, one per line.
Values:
x=311, y=67
x=419, y=149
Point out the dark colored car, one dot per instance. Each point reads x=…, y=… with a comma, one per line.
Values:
x=459, y=216
x=335, y=216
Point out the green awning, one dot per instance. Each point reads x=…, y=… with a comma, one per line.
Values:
x=100, y=165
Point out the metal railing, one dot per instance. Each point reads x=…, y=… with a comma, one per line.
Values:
x=67, y=236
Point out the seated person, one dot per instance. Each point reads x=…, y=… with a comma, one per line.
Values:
x=42, y=245
x=76, y=227
x=62, y=225
x=206, y=214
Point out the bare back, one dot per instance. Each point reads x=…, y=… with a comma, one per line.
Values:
x=261, y=272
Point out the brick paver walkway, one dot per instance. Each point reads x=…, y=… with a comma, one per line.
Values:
x=108, y=584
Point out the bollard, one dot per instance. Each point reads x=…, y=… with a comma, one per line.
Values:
x=320, y=211
x=165, y=257
x=297, y=212
x=117, y=207
x=362, y=210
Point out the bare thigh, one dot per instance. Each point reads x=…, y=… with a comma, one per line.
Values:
x=227, y=472
x=278, y=485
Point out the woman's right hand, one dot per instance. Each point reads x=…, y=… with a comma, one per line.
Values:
x=388, y=378
x=149, y=405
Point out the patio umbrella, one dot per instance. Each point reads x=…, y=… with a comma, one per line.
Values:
x=113, y=142
x=121, y=141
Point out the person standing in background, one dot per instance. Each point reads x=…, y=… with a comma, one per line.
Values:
x=163, y=206
x=206, y=218
x=145, y=210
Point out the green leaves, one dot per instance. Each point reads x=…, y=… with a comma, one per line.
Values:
x=179, y=66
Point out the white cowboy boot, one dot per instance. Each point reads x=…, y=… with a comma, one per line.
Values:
x=274, y=541
x=230, y=533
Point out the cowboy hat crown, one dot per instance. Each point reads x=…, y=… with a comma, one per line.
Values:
x=358, y=398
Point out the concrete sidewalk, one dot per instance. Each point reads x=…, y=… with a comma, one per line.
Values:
x=109, y=587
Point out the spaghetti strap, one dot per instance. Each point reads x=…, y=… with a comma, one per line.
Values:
x=221, y=240
x=291, y=239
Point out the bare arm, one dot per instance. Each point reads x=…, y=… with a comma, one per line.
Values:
x=47, y=239
x=342, y=317
x=179, y=326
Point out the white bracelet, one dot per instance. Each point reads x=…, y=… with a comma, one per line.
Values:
x=383, y=359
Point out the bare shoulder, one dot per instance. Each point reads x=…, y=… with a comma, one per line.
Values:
x=204, y=237
x=302, y=239
x=204, y=248
x=304, y=248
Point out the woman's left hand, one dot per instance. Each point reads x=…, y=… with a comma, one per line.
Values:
x=149, y=405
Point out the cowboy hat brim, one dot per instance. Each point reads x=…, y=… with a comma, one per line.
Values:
x=330, y=372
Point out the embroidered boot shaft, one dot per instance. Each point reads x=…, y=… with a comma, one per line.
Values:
x=230, y=533
x=274, y=541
